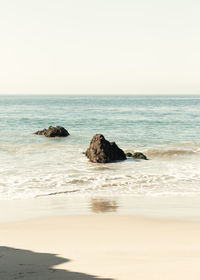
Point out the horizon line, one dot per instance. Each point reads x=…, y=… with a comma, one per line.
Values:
x=99, y=94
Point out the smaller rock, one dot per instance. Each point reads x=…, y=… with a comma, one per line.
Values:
x=41, y=132
x=139, y=155
x=53, y=131
x=129, y=154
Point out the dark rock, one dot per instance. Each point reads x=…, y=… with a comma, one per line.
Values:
x=129, y=154
x=41, y=132
x=53, y=131
x=139, y=155
x=103, y=151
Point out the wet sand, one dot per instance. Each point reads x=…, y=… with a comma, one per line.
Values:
x=182, y=208
x=101, y=246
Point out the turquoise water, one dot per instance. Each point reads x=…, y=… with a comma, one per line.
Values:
x=146, y=120
x=165, y=128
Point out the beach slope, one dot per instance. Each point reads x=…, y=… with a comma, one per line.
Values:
x=99, y=247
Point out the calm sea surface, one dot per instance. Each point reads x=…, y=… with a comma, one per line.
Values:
x=166, y=129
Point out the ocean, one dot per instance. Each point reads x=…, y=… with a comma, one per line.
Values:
x=165, y=128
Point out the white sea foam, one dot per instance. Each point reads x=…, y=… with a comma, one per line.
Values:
x=61, y=169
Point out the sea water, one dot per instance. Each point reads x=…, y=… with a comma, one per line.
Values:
x=165, y=128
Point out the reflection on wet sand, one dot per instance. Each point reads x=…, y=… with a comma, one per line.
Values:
x=101, y=205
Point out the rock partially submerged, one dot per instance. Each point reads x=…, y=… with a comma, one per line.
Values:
x=136, y=155
x=53, y=131
x=128, y=154
x=103, y=151
x=139, y=155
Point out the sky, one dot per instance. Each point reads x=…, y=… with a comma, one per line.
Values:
x=99, y=47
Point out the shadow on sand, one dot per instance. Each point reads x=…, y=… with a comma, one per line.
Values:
x=24, y=264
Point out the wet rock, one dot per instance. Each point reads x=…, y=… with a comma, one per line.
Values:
x=103, y=151
x=139, y=155
x=41, y=132
x=53, y=131
x=129, y=154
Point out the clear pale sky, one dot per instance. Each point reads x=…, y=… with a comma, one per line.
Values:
x=99, y=47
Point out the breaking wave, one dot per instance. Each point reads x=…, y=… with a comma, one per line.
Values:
x=60, y=168
x=171, y=152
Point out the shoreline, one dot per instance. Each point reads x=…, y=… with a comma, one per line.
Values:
x=87, y=247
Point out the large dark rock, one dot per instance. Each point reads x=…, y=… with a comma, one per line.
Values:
x=139, y=155
x=103, y=151
x=53, y=131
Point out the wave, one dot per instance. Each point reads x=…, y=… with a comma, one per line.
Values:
x=56, y=193
x=170, y=152
x=145, y=178
x=28, y=148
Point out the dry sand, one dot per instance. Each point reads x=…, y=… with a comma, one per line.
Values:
x=99, y=246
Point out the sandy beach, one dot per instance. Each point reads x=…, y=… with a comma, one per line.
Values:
x=99, y=247
x=100, y=140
